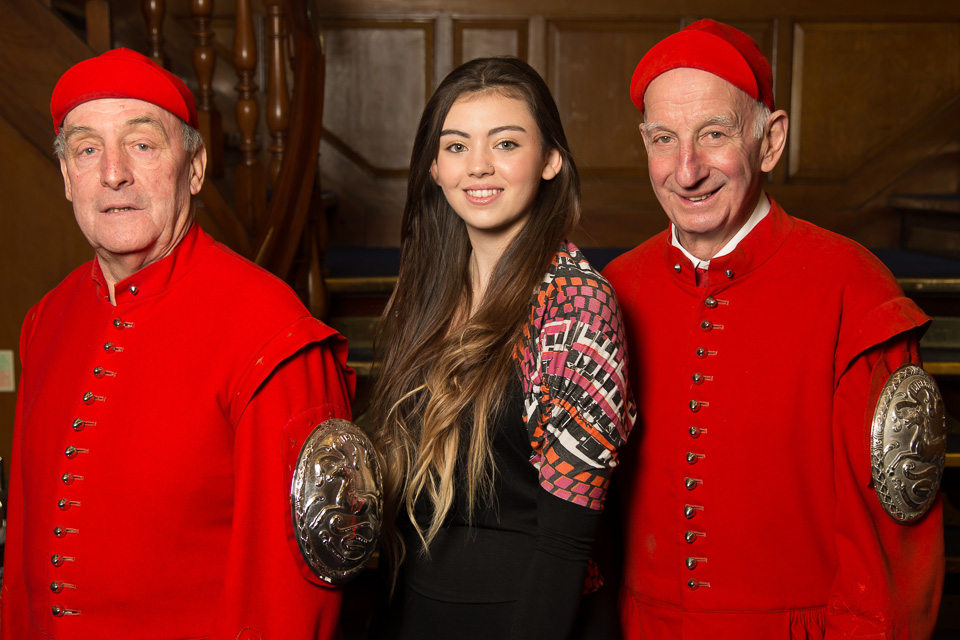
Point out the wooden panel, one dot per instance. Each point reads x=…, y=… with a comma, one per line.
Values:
x=480, y=38
x=856, y=86
x=40, y=244
x=589, y=67
x=379, y=75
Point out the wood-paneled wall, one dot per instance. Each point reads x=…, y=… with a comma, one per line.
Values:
x=872, y=98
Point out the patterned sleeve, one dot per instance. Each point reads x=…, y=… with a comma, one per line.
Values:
x=579, y=410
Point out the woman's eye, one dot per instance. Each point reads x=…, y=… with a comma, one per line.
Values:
x=456, y=147
x=506, y=145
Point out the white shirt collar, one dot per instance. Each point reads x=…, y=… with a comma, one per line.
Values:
x=759, y=213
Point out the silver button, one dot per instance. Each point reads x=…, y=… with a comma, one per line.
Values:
x=71, y=452
x=694, y=406
x=67, y=478
x=706, y=325
x=693, y=584
x=691, y=563
x=56, y=559
x=701, y=352
x=57, y=610
x=691, y=536
x=78, y=425
x=118, y=323
x=689, y=512
x=98, y=372
x=676, y=267
x=691, y=459
x=710, y=302
x=89, y=398
x=690, y=483
x=698, y=378
x=694, y=432
x=729, y=273
x=134, y=289
x=59, y=532
x=56, y=586
x=65, y=504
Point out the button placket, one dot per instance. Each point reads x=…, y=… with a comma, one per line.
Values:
x=708, y=324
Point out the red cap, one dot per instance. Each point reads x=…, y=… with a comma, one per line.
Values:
x=121, y=73
x=710, y=46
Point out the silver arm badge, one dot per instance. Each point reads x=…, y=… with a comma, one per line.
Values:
x=337, y=500
x=908, y=443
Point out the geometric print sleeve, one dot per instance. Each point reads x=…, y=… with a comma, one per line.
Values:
x=578, y=407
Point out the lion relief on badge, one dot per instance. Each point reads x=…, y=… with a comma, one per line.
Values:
x=908, y=443
x=337, y=500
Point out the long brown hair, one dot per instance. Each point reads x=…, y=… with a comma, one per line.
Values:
x=441, y=369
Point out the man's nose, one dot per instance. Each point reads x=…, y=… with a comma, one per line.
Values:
x=691, y=168
x=115, y=169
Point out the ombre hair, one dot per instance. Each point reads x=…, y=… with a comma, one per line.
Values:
x=442, y=371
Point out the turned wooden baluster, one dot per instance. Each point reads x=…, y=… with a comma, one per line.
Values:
x=153, y=11
x=99, y=27
x=278, y=99
x=204, y=60
x=250, y=188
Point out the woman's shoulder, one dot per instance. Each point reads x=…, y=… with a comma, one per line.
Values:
x=571, y=274
x=572, y=290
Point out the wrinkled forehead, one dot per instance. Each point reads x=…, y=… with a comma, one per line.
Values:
x=113, y=114
x=686, y=90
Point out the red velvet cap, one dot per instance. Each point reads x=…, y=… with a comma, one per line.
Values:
x=710, y=46
x=121, y=73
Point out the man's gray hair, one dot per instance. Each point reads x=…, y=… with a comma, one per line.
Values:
x=192, y=140
x=760, y=120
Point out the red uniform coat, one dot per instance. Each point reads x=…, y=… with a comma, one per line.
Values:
x=749, y=508
x=152, y=455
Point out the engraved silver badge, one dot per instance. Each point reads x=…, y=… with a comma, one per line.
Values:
x=337, y=500
x=908, y=443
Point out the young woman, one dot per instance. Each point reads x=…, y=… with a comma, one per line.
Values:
x=502, y=396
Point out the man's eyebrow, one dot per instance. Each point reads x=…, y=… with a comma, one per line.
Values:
x=148, y=120
x=725, y=121
x=75, y=130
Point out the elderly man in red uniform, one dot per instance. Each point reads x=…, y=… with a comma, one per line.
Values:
x=167, y=388
x=784, y=484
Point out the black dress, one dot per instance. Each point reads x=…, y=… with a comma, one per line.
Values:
x=474, y=580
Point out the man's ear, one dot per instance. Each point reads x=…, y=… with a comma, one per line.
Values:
x=198, y=168
x=552, y=165
x=774, y=140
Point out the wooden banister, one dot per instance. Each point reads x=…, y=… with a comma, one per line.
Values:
x=278, y=100
x=296, y=190
x=153, y=12
x=250, y=188
x=204, y=62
